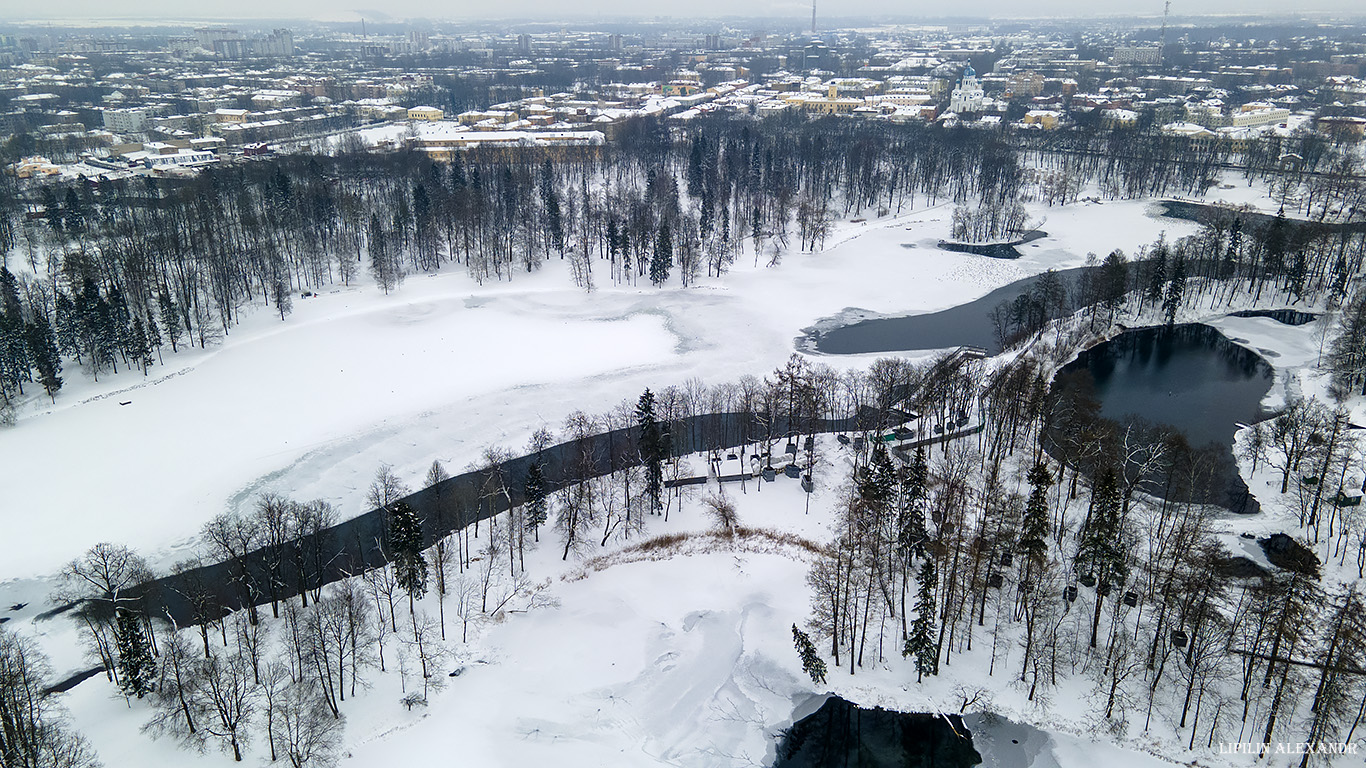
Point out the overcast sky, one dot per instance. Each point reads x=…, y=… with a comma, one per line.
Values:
x=558, y=9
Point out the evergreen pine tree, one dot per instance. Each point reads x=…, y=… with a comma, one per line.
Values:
x=153, y=337
x=170, y=319
x=877, y=485
x=104, y=337
x=537, y=508
x=66, y=325
x=554, y=220
x=139, y=350
x=384, y=255
x=14, y=354
x=652, y=453
x=1100, y=551
x=1097, y=546
x=1276, y=242
x=695, y=168
x=664, y=255
x=14, y=362
x=1176, y=289
x=46, y=359
x=281, y=292
x=1034, y=535
x=911, y=534
x=812, y=663
x=1157, y=272
x=405, y=544
x=920, y=642
x=120, y=322
x=9, y=293
x=136, y=668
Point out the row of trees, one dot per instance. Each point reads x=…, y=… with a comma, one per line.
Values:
x=1138, y=599
x=120, y=269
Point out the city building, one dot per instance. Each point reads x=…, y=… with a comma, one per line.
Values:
x=968, y=96
x=1142, y=55
x=131, y=120
x=425, y=113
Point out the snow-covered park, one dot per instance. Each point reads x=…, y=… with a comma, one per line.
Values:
x=679, y=657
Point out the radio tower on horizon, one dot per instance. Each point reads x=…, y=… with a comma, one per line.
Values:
x=1162, y=52
x=813, y=17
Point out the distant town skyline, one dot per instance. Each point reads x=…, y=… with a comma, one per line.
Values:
x=173, y=10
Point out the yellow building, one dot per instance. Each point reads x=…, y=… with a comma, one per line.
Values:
x=825, y=105
x=1046, y=119
x=231, y=115
x=680, y=88
x=425, y=113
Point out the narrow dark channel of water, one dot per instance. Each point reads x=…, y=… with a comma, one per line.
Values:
x=964, y=325
x=1190, y=210
x=1287, y=316
x=843, y=735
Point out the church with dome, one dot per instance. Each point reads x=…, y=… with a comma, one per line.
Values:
x=968, y=96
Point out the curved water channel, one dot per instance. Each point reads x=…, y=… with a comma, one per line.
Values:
x=970, y=324
x=964, y=325
x=840, y=733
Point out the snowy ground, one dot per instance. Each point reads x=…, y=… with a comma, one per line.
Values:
x=684, y=662
x=1294, y=351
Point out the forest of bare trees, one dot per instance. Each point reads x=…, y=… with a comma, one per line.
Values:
x=116, y=274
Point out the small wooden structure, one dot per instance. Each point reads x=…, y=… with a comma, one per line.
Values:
x=731, y=469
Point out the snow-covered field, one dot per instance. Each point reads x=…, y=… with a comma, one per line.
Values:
x=686, y=661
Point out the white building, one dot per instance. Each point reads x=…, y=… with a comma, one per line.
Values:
x=133, y=120
x=183, y=157
x=968, y=96
x=1137, y=54
x=1258, y=113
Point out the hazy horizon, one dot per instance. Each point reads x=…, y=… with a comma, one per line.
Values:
x=173, y=11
